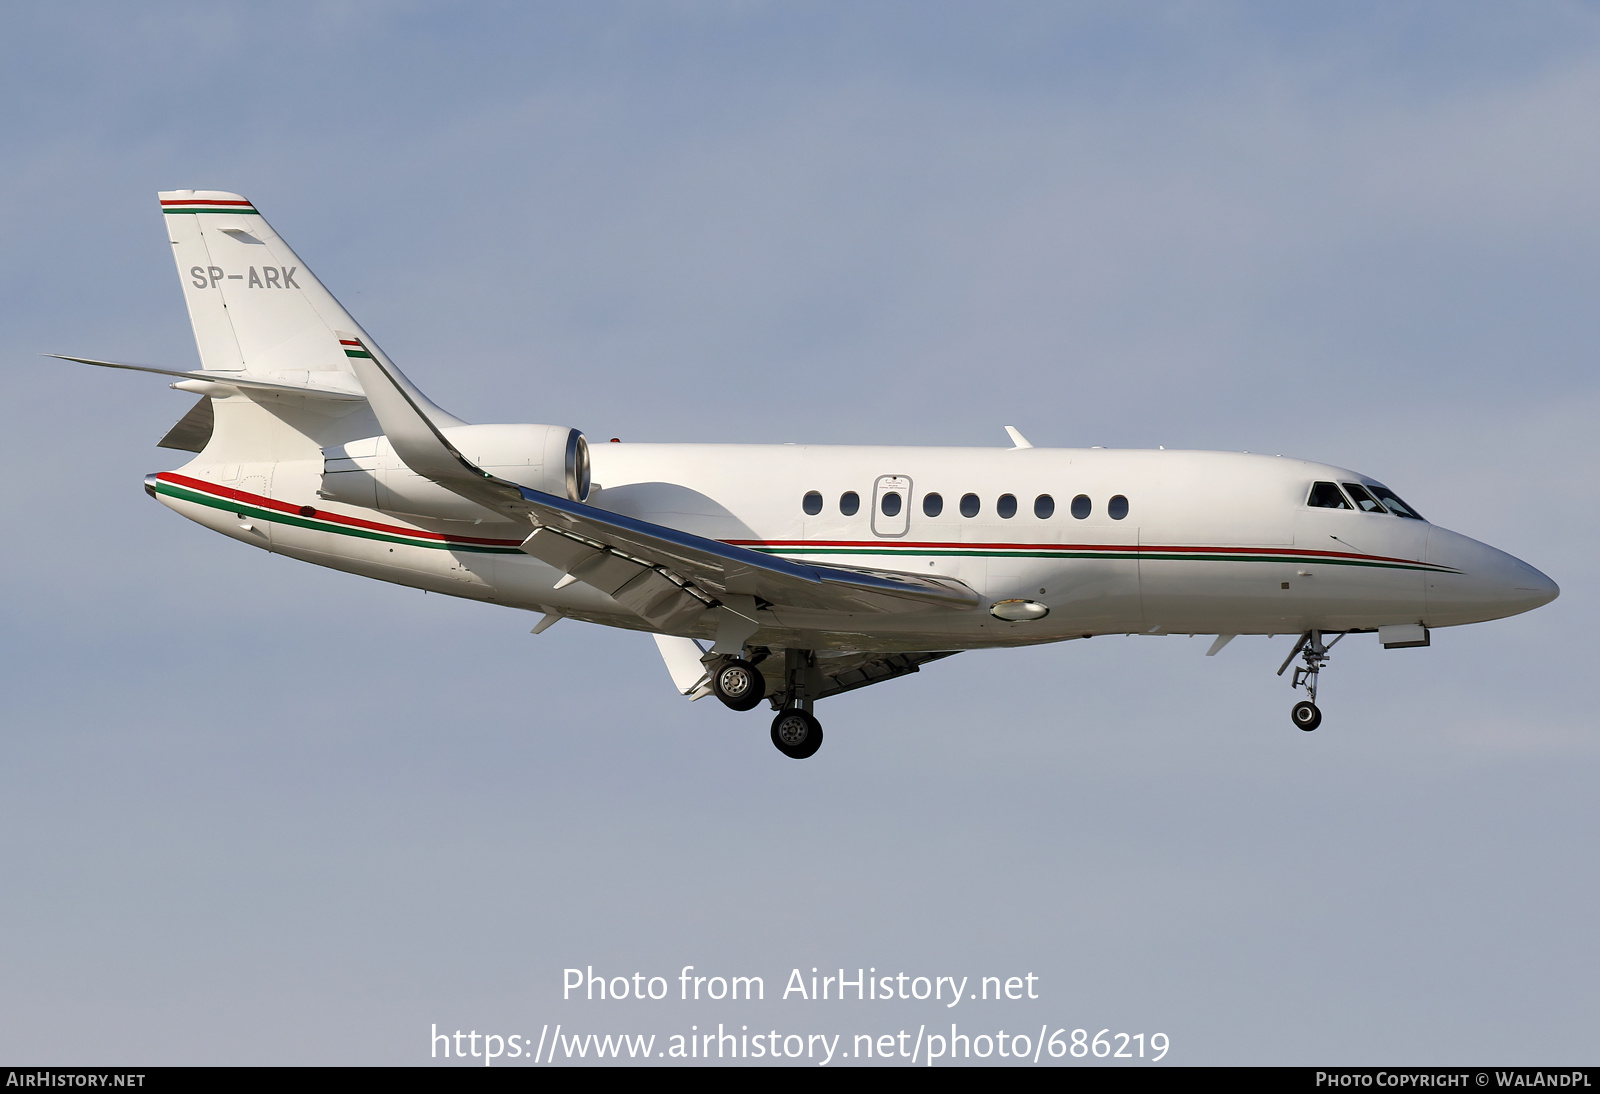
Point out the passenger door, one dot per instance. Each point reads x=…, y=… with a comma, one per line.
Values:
x=891, y=506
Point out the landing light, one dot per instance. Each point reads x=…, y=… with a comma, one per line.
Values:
x=1019, y=611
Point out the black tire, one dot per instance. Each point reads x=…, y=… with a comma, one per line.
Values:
x=796, y=734
x=739, y=684
x=1306, y=716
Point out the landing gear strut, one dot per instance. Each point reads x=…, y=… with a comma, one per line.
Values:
x=1314, y=652
x=795, y=732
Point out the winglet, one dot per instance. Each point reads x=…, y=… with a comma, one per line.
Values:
x=1017, y=439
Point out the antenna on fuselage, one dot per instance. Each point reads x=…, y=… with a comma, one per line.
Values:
x=1017, y=439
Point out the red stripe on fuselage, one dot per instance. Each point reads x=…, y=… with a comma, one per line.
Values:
x=1135, y=549
x=260, y=502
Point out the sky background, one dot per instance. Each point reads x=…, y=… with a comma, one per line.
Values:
x=252, y=811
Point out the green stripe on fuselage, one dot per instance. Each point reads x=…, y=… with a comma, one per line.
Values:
x=272, y=515
x=1129, y=555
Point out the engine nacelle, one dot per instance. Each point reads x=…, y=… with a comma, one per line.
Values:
x=550, y=458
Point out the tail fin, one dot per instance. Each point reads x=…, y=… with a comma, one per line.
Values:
x=261, y=315
x=254, y=305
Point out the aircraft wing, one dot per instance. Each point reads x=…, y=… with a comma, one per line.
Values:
x=665, y=575
x=718, y=568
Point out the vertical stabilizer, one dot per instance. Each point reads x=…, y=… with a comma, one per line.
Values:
x=255, y=306
x=253, y=303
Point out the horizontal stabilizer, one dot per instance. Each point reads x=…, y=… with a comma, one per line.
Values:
x=337, y=386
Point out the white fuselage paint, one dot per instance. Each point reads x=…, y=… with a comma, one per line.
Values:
x=1212, y=542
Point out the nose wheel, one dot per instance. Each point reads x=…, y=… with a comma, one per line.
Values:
x=1314, y=653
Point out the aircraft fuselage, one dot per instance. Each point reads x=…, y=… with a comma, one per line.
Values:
x=1106, y=541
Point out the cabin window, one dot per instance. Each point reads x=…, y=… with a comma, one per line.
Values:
x=1117, y=508
x=1006, y=506
x=1393, y=503
x=1044, y=507
x=932, y=505
x=969, y=505
x=890, y=504
x=1082, y=506
x=850, y=503
x=1325, y=495
x=811, y=503
x=1364, y=501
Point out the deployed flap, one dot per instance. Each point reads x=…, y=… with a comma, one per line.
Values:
x=630, y=554
x=849, y=671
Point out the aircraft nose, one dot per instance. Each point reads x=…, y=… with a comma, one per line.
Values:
x=1534, y=588
x=1479, y=582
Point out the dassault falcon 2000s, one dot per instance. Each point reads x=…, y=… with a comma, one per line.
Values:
x=784, y=573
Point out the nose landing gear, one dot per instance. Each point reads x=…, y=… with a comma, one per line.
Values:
x=1306, y=716
x=1314, y=652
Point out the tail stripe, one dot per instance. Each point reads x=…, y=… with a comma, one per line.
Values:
x=195, y=205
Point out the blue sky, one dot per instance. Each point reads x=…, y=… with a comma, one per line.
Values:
x=252, y=811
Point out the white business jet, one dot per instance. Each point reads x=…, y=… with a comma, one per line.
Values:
x=778, y=573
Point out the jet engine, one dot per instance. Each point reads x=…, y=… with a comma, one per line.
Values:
x=550, y=458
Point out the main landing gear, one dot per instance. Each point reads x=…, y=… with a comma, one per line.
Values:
x=796, y=733
x=741, y=686
x=1312, y=650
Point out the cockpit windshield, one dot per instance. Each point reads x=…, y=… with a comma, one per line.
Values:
x=1364, y=501
x=1325, y=495
x=1392, y=502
